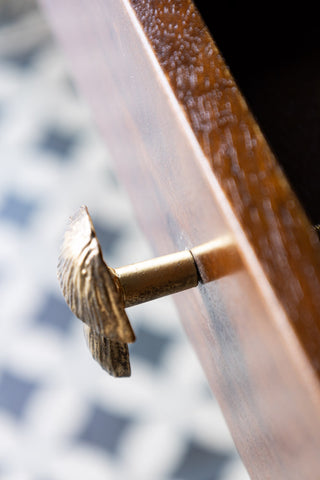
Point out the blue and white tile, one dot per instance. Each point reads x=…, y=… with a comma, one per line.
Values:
x=61, y=416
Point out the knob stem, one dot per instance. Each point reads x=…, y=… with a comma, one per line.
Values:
x=158, y=277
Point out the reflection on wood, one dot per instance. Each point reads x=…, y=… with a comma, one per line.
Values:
x=197, y=166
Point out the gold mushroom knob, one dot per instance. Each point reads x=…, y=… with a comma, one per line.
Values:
x=98, y=294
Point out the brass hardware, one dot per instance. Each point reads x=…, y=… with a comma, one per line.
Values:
x=98, y=294
x=155, y=278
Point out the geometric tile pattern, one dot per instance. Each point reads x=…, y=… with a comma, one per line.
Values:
x=150, y=346
x=15, y=393
x=109, y=236
x=54, y=313
x=104, y=430
x=17, y=210
x=201, y=463
x=58, y=142
x=61, y=415
x=24, y=58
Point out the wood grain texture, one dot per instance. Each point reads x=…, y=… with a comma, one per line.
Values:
x=182, y=137
x=275, y=61
x=246, y=169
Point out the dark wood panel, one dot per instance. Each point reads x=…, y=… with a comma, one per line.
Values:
x=197, y=166
x=274, y=58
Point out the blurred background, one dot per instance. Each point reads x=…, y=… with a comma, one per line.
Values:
x=61, y=415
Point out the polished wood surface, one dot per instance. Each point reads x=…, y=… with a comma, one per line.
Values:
x=274, y=58
x=197, y=166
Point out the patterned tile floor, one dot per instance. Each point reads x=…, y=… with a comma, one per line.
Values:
x=61, y=416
